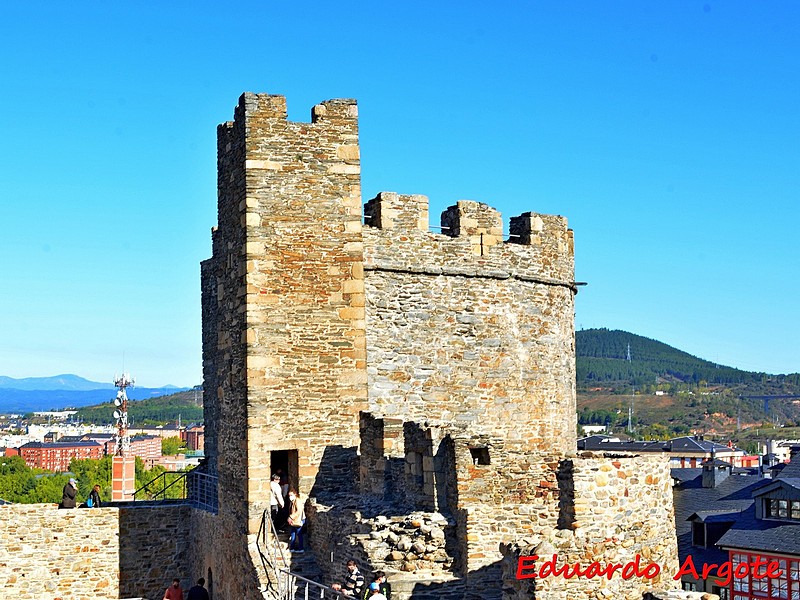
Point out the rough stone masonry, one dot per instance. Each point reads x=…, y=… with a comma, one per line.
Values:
x=418, y=386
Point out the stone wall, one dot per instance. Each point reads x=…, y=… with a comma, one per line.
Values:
x=465, y=329
x=398, y=371
x=617, y=508
x=90, y=554
x=225, y=556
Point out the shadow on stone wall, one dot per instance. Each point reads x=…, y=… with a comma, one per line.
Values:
x=482, y=584
x=154, y=543
x=337, y=475
x=566, y=494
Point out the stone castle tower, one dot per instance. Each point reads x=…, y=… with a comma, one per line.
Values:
x=417, y=386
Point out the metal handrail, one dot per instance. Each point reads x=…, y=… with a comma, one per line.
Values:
x=287, y=581
x=202, y=490
x=267, y=563
x=199, y=488
x=163, y=476
x=274, y=531
x=309, y=585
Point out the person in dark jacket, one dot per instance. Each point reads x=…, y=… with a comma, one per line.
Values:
x=94, y=496
x=68, y=495
x=198, y=592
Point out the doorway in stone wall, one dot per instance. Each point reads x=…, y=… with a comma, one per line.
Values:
x=286, y=461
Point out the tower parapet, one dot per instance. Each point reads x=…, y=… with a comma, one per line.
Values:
x=389, y=210
x=482, y=224
x=461, y=342
x=397, y=236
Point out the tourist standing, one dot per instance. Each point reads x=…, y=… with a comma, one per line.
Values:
x=68, y=494
x=379, y=579
x=198, y=592
x=296, y=520
x=174, y=592
x=275, y=500
x=94, y=497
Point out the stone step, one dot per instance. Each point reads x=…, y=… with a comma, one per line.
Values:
x=426, y=585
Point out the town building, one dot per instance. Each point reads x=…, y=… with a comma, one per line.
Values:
x=56, y=456
x=724, y=514
x=683, y=452
x=194, y=437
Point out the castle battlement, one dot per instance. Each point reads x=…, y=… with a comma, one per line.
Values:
x=381, y=365
x=537, y=248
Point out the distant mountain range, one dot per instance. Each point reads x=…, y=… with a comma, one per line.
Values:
x=32, y=394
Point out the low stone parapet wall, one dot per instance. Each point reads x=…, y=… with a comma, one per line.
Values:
x=616, y=513
x=91, y=554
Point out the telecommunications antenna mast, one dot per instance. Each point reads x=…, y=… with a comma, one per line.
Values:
x=122, y=445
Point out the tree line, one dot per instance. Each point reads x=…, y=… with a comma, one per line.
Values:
x=602, y=356
x=25, y=485
x=153, y=411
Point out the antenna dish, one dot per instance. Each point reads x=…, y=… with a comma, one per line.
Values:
x=117, y=402
x=117, y=414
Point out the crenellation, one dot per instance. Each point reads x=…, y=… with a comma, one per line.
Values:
x=336, y=109
x=419, y=387
x=261, y=106
x=472, y=246
x=402, y=212
x=480, y=223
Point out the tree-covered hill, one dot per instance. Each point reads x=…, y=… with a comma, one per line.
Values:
x=602, y=358
x=188, y=406
x=672, y=390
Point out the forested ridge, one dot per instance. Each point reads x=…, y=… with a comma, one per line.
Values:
x=602, y=357
x=186, y=406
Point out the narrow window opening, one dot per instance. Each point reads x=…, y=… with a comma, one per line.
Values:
x=480, y=456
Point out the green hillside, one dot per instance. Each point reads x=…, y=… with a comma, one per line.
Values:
x=602, y=358
x=153, y=411
x=670, y=391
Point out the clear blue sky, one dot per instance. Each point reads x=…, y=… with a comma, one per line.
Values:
x=667, y=132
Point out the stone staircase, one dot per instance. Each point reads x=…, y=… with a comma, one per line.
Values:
x=300, y=563
x=426, y=586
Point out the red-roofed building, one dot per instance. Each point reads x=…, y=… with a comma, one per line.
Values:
x=56, y=456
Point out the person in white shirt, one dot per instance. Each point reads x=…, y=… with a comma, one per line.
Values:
x=375, y=591
x=275, y=499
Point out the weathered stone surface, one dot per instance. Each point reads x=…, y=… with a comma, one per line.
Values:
x=422, y=384
x=612, y=523
x=110, y=552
